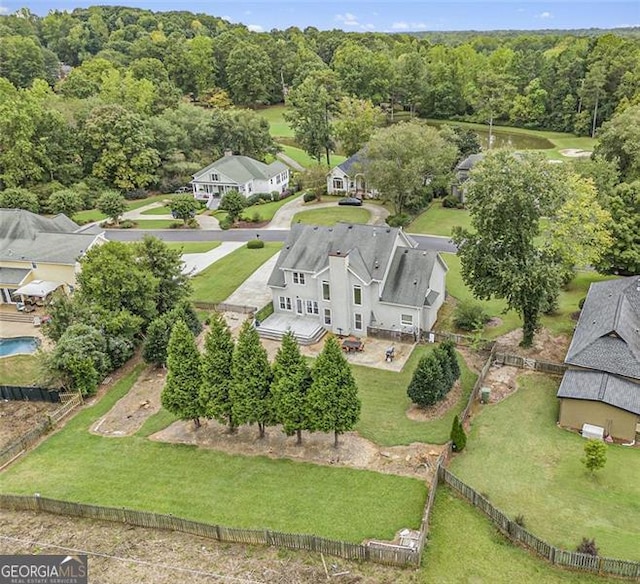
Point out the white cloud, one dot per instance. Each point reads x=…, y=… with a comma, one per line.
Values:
x=347, y=19
x=402, y=25
x=545, y=15
x=255, y=28
x=227, y=18
x=4, y=10
x=368, y=26
x=247, y=12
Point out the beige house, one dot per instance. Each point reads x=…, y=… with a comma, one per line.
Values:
x=39, y=255
x=602, y=384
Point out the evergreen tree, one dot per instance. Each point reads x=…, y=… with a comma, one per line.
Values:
x=427, y=384
x=251, y=380
x=334, y=405
x=458, y=435
x=181, y=391
x=448, y=373
x=184, y=311
x=154, y=349
x=216, y=373
x=291, y=382
x=449, y=348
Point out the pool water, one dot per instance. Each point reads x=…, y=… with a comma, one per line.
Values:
x=18, y=346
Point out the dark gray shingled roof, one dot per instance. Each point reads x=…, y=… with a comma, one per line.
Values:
x=600, y=386
x=347, y=165
x=13, y=276
x=470, y=161
x=25, y=236
x=242, y=169
x=408, y=279
x=308, y=248
x=607, y=336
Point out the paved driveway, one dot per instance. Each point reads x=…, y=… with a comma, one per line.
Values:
x=254, y=290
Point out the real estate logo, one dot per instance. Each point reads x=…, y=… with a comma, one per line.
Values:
x=43, y=569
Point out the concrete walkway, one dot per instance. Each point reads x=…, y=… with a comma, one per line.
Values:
x=254, y=290
x=284, y=216
x=290, y=161
x=206, y=222
x=194, y=263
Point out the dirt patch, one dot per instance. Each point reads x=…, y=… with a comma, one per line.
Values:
x=494, y=322
x=249, y=224
x=438, y=410
x=415, y=460
x=151, y=556
x=575, y=153
x=546, y=347
x=503, y=381
x=19, y=417
x=131, y=411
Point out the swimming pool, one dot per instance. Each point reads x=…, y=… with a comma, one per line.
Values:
x=18, y=346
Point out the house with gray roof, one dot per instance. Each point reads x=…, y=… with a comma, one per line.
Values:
x=355, y=280
x=40, y=249
x=238, y=173
x=462, y=170
x=602, y=383
x=348, y=177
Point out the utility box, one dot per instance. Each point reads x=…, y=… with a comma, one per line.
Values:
x=485, y=394
x=592, y=432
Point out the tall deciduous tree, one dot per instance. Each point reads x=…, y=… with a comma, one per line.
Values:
x=619, y=140
x=291, y=382
x=506, y=197
x=233, y=203
x=248, y=74
x=215, y=391
x=184, y=207
x=354, y=123
x=250, y=389
x=402, y=159
x=180, y=395
x=334, y=405
x=66, y=201
x=17, y=198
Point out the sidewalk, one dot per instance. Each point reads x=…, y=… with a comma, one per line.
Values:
x=194, y=263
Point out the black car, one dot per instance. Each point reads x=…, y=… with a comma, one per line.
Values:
x=351, y=201
x=187, y=189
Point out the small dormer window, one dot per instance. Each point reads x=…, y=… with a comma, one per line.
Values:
x=214, y=177
x=298, y=278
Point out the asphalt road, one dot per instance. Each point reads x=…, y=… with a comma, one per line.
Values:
x=426, y=242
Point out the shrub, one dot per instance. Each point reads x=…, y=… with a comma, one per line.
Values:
x=255, y=244
x=257, y=198
x=176, y=225
x=401, y=220
x=588, y=546
x=581, y=303
x=469, y=316
x=595, y=455
x=427, y=383
x=458, y=435
x=225, y=223
x=256, y=218
x=127, y=224
x=452, y=202
x=136, y=195
x=519, y=520
x=308, y=197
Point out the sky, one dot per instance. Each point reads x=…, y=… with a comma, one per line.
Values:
x=384, y=16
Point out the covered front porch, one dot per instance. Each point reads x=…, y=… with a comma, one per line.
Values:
x=306, y=330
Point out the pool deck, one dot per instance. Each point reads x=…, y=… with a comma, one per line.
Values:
x=11, y=329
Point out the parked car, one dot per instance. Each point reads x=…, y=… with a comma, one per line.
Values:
x=186, y=189
x=351, y=201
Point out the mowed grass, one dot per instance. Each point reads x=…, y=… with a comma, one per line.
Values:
x=302, y=158
x=438, y=220
x=464, y=546
x=205, y=485
x=192, y=246
x=20, y=370
x=277, y=124
x=331, y=215
x=385, y=402
x=560, y=322
x=218, y=281
x=265, y=211
x=95, y=215
x=155, y=223
x=526, y=465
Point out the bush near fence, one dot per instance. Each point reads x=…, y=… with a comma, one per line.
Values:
x=517, y=534
x=391, y=555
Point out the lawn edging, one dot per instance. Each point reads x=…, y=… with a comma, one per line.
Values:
x=391, y=555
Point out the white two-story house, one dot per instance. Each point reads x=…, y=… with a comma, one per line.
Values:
x=347, y=178
x=238, y=173
x=358, y=280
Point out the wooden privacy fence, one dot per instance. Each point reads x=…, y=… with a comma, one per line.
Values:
x=390, y=555
x=69, y=401
x=20, y=393
x=462, y=340
x=478, y=385
x=528, y=363
x=518, y=534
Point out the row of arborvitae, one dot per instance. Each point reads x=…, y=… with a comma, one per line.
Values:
x=235, y=384
x=434, y=376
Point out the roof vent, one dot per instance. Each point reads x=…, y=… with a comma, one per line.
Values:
x=415, y=282
x=315, y=228
x=350, y=227
x=338, y=252
x=388, y=229
x=330, y=229
x=406, y=251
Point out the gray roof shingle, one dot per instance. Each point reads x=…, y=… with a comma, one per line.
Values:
x=13, y=276
x=242, y=169
x=355, y=160
x=600, y=386
x=470, y=161
x=408, y=280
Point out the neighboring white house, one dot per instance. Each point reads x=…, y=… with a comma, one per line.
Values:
x=357, y=280
x=348, y=178
x=238, y=173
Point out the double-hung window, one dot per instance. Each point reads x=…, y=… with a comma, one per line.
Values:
x=357, y=295
x=298, y=278
x=285, y=303
x=327, y=316
x=326, y=291
x=312, y=307
x=357, y=321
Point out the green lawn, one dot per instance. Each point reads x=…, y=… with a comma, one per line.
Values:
x=464, y=546
x=385, y=402
x=95, y=215
x=19, y=370
x=210, y=486
x=193, y=246
x=277, y=124
x=265, y=211
x=526, y=465
x=302, y=158
x=331, y=215
x=164, y=210
x=560, y=322
x=154, y=223
x=219, y=280
x=438, y=220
